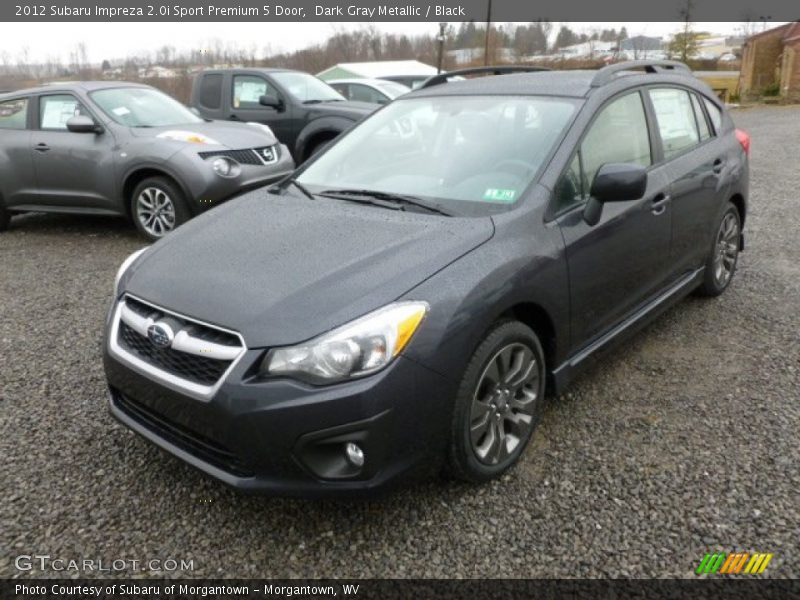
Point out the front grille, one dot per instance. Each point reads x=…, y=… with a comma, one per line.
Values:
x=249, y=156
x=194, y=443
x=197, y=353
x=206, y=371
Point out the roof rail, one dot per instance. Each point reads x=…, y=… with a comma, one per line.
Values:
x=606, y=74
x=497, y=70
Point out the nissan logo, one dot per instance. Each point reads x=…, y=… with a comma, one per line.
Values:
x=160, y=335
x=267, y=152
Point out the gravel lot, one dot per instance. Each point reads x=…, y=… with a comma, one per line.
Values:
x=684, y=442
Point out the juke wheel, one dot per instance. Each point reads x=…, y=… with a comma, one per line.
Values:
x=158, y=207
x=498, y=404
x=724, y=254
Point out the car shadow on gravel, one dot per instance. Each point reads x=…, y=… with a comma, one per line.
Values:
x=49, y=224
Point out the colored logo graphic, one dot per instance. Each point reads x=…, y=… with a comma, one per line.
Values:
x=733, y=564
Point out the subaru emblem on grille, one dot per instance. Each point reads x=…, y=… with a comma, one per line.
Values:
x=160, y=335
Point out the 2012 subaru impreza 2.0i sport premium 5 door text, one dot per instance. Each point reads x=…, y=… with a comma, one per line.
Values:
x=403, y=302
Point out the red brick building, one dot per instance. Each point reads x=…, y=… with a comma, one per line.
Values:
x=771, y=59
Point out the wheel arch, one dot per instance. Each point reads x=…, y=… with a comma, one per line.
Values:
x=319, y=130
x=539, y=320
x=738, y=201
x=139, y=174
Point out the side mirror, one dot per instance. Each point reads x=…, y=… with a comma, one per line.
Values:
x=83, y=124
x=271, y=102
x=614, y=182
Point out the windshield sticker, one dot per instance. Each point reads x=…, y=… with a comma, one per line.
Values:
x=499, y=195
x=121, y=111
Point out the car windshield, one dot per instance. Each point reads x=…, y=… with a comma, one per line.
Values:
x=471, y=155
x=305, y=88
x=143, y=107
x=392, y=89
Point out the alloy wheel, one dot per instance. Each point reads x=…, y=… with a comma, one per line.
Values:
x=727, y=249
x=155, y=211
x=501, y=415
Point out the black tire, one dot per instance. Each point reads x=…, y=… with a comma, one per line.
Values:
x=5, y=218
x=723, y=255
x=466, y=457
x=156, y=189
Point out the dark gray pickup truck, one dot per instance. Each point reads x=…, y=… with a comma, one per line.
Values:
x=304, y=112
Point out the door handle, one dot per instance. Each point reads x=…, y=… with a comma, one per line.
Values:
x=718, y=164
x=234, y=118
x=42, y=147
x=659, y=204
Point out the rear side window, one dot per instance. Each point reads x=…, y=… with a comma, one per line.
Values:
x=700, y=117
x=676, y=121
x=211, y=90
x=714, y=113
x=247, y=89
x=14, y=114
x=56, y=110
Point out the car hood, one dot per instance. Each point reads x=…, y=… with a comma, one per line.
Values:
x=347, y=109
x=221, y=134
x=282, y=269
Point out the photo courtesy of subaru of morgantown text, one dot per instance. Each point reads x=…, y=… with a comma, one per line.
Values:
x=407, y=298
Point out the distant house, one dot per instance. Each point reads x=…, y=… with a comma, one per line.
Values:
x=464, y=56
x=378, y=69
x=157, y=72
x=771, y=59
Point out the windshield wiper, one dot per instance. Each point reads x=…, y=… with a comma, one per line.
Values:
x=400, y=201
x=317, y=101
x=281, y=187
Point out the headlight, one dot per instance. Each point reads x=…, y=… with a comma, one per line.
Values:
x=225, y=167
x=124, y=267
x=359, y=348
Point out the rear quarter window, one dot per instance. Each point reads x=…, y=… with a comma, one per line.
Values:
x=714, y=113
x=14, y=113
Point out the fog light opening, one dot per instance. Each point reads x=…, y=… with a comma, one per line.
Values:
x=354, y=454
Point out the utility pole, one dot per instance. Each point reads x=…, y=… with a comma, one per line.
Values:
x=488, y=29
x=441, y=39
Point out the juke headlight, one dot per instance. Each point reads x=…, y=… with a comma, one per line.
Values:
x=358, y=348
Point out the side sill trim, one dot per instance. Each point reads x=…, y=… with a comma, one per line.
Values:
x=675, y=289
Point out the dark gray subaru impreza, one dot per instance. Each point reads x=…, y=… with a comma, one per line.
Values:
x=405, y=300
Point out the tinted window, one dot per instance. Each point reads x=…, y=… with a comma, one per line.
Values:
x=714, y=113
x=363, y=93
x=13, y=113
x=56, y=110
x=676, y=121
x=618, y=135
x=211, y=91
x=700, y=117
x=341, y=88
x=247, y=89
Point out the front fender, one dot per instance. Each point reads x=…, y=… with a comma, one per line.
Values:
x=321, y=125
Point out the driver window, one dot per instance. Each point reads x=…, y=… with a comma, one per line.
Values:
x=56, y=110
x=247, y=89
x=619, y=134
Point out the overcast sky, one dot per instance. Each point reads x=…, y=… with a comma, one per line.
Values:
x=116, y=40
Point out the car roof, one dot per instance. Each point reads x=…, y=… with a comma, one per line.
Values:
x=249, y=70
x=365, y=80
x=86, y=86
x=568, y=83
